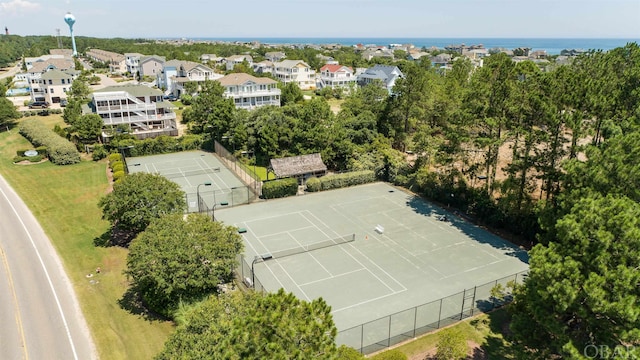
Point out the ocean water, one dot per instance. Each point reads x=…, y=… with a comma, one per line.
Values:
x=551, y=45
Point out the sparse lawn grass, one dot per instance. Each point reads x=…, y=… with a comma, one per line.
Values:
x=335, y=104
x=64, y=200
x=485, y=330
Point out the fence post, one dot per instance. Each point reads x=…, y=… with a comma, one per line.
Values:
x=440, y=313
x=415, y=320
x=389, y=336
x=362, y=339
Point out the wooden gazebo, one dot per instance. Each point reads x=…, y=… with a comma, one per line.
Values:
x=300, y=167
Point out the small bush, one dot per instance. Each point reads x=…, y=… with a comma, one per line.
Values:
x=114, y=157
x=394, y=354
x=314, y=184
x=35, y=159
x=17, y=158
x=118, y=175
x=99, y=152
x=279, y=188
x=118, y=166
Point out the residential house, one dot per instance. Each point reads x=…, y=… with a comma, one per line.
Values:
x=249, y=92
x=189, y=71
x=415, y=55
x=53, y=85
x=387, y=74
x=212, y=59
x=295, y=71
x=440, y=60
x=151, y=65
x=132, y=62
x=326, y=59
x=263, y=67
x=378, y=51
x=139, y=108
x=116, y=62
x=29, y=62
x=34, y=74
x=275, y=56
x=234, y=60
x=336, y=76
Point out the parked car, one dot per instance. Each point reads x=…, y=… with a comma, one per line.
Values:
x=39, y=105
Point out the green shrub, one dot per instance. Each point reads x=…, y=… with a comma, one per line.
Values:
x=279, y=188
x=114, y=157
x=337, y=181
x=99, y=152
x=118, y=166
x=394, y=354
x=42, y=150
x=35, y=159
x=349, y=353
x=17, y=158
x=60, y=150
x=314, y=184
x=118, y=175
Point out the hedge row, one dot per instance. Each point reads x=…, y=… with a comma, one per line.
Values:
x=159, y=145
x=279, y=188
x=42, y=151
x=336, y=181
x=42, y=112
x=117, y=166
x=60, y=151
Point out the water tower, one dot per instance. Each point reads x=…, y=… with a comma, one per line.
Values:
x=70, y=20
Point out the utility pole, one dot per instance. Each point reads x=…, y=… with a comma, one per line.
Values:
x=58, y=38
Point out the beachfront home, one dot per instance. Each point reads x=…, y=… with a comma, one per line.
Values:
x=295, y=71
x=250, y=92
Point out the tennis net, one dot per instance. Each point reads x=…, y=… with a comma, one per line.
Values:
x=311, y=247
x=191, y=173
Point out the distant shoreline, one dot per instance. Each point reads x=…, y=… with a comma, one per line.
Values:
x=553, y=46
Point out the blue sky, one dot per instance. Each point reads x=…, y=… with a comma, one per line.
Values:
x=327, y=18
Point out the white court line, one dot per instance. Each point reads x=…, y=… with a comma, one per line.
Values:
x=272, y=274
x=218, y=187
x=368, y=301
x=298, y=286
x=155, y=170
x=332, y=277
x=214, y=174
x=277, y=216
x=356, y=260
x=310, y=254
x=287, y=231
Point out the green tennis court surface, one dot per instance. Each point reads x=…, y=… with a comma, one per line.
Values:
x=192, y=168
x=404, y=254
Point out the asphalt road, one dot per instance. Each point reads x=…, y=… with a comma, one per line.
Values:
x=39, y=313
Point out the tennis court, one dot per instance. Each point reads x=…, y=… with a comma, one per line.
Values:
x=197, y=172
x=403, y=253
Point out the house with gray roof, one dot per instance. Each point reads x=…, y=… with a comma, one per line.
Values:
x=387, y=74
x=234, y=60
x=53, y=85
x=151, y=65
x=176, y=73
x=275, y=56
x=138, y=108
x=250, y=92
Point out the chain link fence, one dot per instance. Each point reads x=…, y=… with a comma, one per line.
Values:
x=387, y=331
x=244, y=172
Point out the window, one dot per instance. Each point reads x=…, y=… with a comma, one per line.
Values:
x=50, y=82
x=52, y=90
x=64, y=90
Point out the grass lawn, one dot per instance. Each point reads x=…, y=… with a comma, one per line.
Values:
x=64, y=200
x=485, y=331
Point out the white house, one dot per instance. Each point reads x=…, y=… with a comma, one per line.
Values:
x=139, y=108
x=385, y=73
x=262, y=67
x=295, y=71
x=250, y=92
x=132, y=62
x=336, y=76
x=234, y=60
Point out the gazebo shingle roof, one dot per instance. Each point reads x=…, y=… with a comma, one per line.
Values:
x=298, y=165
